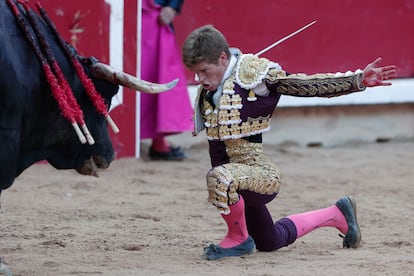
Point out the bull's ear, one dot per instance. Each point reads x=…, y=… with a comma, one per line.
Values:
x=106, y=89
x=87, y=64
x=89, y=61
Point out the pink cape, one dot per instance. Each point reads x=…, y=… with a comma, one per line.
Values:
x=169, y=112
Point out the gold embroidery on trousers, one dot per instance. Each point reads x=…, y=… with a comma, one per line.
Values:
x=249, y=169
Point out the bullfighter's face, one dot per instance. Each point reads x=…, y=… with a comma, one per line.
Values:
x=210, y=75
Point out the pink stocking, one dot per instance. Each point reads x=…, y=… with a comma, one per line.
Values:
x=328, y=217
x=236, y=223
x=160, y=144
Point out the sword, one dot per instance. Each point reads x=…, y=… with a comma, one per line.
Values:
x=283, y=39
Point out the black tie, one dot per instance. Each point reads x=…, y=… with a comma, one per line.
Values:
x=209, y=97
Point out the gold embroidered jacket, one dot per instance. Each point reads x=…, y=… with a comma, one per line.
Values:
x=242, y=112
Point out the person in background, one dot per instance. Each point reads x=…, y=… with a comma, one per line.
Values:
x=236, y=99
x=169, y=112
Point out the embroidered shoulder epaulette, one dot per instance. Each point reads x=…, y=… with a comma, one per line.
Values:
x=251, y=70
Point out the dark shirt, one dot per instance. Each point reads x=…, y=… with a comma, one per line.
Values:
x=175, y=4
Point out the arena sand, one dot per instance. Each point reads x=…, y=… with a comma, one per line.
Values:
x=151, y=218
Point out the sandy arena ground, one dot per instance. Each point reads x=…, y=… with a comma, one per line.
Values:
x=152, y=218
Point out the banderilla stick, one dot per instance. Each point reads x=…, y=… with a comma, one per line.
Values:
x=57, y=92
x=70, y=98
x=86, y=81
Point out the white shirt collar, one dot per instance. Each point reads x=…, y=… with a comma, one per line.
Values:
x=229, y=70
x=233, y=60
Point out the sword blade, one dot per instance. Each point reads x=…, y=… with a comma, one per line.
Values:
x=283, y=39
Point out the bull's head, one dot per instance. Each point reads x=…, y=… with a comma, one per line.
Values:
x=35, y=93
x=98, y=153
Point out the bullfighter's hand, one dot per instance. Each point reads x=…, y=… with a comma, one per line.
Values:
x=167, y=15
x=376, y=76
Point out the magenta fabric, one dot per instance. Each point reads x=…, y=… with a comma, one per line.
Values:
x=236, y=225
x=169, y=112
x=327, y=217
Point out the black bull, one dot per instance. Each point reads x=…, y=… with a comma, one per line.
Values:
x=32, y=127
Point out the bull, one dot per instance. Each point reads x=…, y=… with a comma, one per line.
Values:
x=32, y=125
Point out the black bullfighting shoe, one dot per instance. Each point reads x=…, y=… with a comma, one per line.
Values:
x=175, y=154
x=215, y=252
x=347, y=206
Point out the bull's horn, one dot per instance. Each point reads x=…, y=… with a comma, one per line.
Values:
x=103, y=71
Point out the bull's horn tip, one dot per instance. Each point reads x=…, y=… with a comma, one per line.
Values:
x=173, y=83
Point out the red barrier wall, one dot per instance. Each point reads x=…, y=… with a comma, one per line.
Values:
x=348, y=35
x=86, y=25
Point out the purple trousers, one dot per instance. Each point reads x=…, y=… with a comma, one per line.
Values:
x=268, y=235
